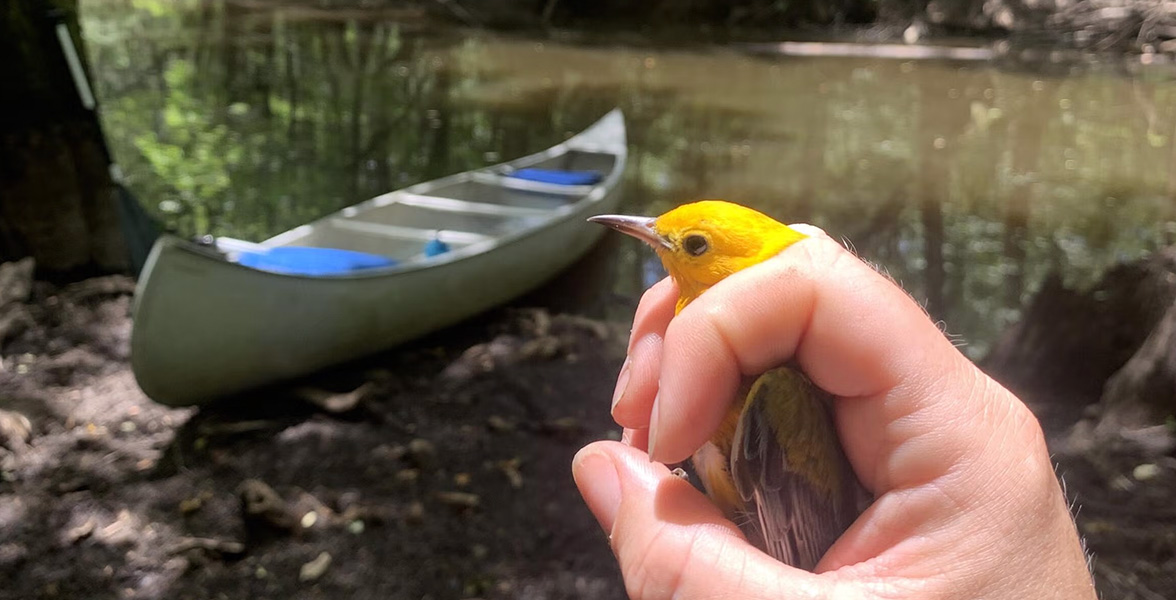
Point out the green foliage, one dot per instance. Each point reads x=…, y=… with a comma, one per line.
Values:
x=192, y=153
x=162, y=8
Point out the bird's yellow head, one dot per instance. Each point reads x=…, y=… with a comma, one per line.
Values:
x=703, y=242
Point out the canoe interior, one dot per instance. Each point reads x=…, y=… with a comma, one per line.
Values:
x=461, y=211
x=579, y=160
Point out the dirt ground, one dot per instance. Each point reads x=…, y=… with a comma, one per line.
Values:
x=444, y=474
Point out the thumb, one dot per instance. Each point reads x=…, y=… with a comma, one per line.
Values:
x=671, y=542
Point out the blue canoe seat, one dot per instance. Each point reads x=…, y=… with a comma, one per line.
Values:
x=305, y=260
x=435, y=247
x=558, y=176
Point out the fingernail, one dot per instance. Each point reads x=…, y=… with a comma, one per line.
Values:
x=622, y=383
x=601, y=486
x=653, y=426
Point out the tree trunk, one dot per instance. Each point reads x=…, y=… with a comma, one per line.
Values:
x=1114, y=344
x=1143, y=392
x=939, y=127
x=57, y=200
x=1025, y=132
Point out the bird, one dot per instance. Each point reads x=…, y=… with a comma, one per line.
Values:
x=775, y=465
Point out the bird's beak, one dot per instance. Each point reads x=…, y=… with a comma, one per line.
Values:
x=639, y=227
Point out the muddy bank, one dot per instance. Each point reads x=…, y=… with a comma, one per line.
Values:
x=446, y=475
x=437, y=471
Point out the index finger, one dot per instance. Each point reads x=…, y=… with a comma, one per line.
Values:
x=654, y=311
x=637, y=383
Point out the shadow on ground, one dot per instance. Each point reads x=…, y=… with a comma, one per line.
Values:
x=437, y=471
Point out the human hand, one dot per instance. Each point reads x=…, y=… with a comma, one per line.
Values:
x=967, y=505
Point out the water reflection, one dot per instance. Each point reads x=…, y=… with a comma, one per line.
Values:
x=966, y=183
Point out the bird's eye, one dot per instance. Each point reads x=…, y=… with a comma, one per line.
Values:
x=694, y=245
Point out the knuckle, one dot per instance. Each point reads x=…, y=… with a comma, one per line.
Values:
x=811, y=259
x=823, y=253
x=721, y=326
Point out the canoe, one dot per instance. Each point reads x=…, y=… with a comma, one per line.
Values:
x=211, y=320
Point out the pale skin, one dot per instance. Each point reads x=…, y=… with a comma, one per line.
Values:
x=967, y=503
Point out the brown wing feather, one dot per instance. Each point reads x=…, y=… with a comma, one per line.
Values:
x=790, y=470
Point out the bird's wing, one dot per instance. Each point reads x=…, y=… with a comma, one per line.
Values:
x=789, y=468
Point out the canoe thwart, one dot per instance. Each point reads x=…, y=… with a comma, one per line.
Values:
x=470, y=207
x=411, y=233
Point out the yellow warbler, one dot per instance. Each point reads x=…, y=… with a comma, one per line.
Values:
x=775, y=466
